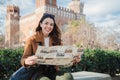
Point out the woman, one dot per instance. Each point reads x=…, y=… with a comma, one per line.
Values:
x=47, y=34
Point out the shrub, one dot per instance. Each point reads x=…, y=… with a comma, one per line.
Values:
x=9, y=62
x=97, y=60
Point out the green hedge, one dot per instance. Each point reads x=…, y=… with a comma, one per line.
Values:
x=103, y=61
x=9, y=62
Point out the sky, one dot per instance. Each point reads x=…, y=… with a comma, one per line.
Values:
x=105, y=14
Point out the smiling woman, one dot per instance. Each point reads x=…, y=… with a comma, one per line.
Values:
x=47, y=34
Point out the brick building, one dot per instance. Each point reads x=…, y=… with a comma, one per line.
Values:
x=18, y=28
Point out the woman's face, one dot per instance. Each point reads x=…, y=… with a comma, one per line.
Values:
x=47, y=26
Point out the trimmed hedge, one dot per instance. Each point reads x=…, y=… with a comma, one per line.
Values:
x=103, y=61
x=97, y=60
x=9, y=62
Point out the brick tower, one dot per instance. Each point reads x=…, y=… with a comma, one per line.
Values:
x=12, y=27
x=41, y=3
x=41, y=6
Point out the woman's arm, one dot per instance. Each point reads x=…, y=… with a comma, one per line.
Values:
x=27, y=58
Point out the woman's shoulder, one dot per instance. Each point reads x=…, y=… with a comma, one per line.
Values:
x=35, y=36
x=32, y=37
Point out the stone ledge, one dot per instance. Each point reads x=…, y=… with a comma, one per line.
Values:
x=84, y=75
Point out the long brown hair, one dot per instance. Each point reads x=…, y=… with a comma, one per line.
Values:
x=55, y=34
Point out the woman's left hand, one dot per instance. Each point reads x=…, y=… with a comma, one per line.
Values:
x=76, y=59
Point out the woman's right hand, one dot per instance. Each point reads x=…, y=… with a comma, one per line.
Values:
x=30, y=60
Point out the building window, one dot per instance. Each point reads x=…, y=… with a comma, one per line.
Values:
x=55, y=10
x=50, y=2
x=50, y=9
x=11, y=10
x=58, y=12
x=15, y=11
x=40, y=2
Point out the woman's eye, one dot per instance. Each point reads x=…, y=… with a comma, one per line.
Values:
x=46, y=23
x=51, y=24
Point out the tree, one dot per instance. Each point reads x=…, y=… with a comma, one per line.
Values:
x=79, y=33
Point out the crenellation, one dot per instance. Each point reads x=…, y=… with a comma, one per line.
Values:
x=60, y=11
x=13, y=10
x=12, y=7
x=66, y=12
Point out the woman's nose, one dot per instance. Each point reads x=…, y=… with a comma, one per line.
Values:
x=48, y=25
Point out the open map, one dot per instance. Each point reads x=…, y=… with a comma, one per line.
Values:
x=57, y=55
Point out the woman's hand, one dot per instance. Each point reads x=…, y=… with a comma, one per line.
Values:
x=30, y=60
x=76, y=59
